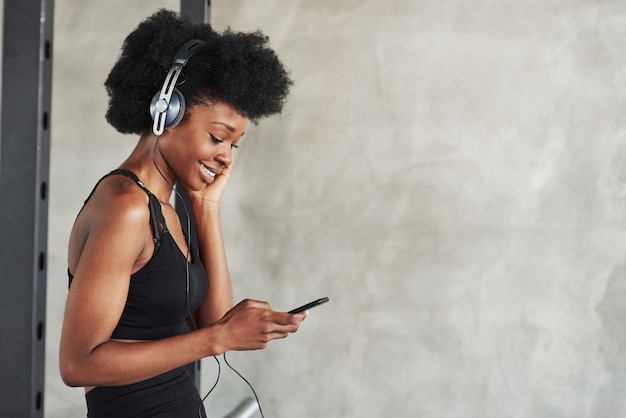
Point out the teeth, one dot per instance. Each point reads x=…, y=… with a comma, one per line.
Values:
x=207, y=170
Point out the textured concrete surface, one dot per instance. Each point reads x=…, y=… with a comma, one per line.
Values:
x=451, y=175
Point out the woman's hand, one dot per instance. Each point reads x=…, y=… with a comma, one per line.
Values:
x=213, y=192
x=251, y=324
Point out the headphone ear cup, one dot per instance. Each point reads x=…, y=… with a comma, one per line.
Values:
x=175, y=109
x=178, y=105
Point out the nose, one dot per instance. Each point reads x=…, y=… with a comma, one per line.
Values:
x=224, y=155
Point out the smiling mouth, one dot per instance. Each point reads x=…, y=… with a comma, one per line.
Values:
x=207, y=170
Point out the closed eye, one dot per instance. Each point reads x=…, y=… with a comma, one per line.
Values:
x=216, y=140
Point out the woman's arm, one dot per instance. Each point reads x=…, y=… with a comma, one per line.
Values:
x=110, y=241
x=219, y=298
x=205, y=205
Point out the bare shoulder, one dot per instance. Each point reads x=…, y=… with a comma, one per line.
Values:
x=117, y=199
x=116, y=215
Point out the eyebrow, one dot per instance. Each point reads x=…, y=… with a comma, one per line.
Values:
x=227, y=126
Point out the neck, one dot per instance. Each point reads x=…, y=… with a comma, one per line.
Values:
x=147, y=162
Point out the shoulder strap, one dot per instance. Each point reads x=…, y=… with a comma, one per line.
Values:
x=156, y=215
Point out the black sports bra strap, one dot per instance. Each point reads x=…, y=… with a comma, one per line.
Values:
x=156, y=215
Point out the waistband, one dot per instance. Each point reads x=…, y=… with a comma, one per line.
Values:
x=104, y=398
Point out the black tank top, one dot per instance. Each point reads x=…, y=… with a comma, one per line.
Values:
x=164, y=291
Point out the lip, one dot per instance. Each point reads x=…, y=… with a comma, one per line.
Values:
x=208, y=173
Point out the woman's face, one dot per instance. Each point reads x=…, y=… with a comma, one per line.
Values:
x=202, y=145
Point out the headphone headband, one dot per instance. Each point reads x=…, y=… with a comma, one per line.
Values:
x=159, y=107
x=186, y=51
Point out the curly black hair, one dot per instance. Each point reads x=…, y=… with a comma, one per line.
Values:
x=235, y=67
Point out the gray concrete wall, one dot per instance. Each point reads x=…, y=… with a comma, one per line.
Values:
x=451, y=174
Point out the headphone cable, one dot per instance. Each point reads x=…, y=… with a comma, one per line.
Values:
x=258, y=402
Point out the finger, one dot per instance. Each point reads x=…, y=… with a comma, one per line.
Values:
x=225, y=171
x=251, y=303
x=290, y=326
x=290, y=319
x=277, y=335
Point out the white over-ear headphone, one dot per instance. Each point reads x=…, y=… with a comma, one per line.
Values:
x=168, y=104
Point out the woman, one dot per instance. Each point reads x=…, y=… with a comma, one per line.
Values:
x=144, y=299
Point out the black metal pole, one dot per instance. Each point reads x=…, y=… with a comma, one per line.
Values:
x=24, y=173
x=199, y=11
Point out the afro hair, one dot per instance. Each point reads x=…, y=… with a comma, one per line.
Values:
x=235, y=67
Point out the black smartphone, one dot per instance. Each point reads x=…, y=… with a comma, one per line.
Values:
x=309, y=305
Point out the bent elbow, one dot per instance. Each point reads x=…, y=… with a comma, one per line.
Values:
x=70, y=374
x=68, y=377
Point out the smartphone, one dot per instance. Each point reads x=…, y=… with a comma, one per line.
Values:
x=309, y=305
